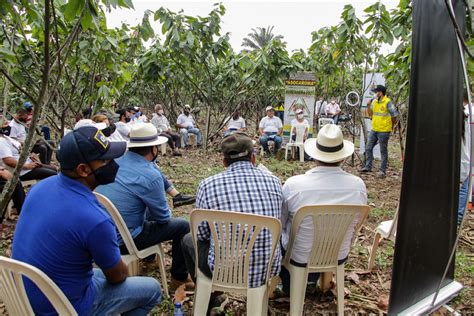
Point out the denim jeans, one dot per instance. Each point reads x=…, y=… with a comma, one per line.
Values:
x=185, y=132
x=463, y=196
x=134, y=296
x=154, y=233
x=382, y=139
x=270, y=136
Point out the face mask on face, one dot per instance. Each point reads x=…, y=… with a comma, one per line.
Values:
x=186, y=112
x=6, y=130
x=235, y=117
x=300, y=116
x=107, y=173
x=333, y=101
x=161, y=112
x=155, y=155
x=127, y=119
x=109, y=130
x=22, y=119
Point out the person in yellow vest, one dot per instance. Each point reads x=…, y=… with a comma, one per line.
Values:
x=384, y=118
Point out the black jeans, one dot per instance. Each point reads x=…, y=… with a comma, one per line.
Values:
x=153, y=233
x=18, y=197
x=174, y=140
x=285, y=274
x=44, y=152
x=190, y=256
x=39, y=173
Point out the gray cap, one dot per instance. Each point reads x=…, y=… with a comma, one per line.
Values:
x=237, y=145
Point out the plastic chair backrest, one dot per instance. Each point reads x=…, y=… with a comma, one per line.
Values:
x=393, y=228
x=233, y=247
x=119, y=223
x=299, y=130
x=13, y=293
x=330, y=223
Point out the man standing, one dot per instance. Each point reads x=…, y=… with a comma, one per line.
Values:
x=332, y=110
x=123, y=126
x=139, y=194
x=160, y=121
x=241, y=188
x=326, y=184
x=270, y=128
x=187, y=124
x=321, y=106
x=384, y=118
x=63, y=230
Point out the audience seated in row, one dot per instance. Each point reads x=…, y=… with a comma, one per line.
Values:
x=160, y=121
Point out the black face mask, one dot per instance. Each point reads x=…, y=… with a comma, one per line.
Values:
x=6, y=130
x=109, y=130
x=155, y=156
x=186, y=112
x=23, y=120
x=127, y=119
x=107, y=173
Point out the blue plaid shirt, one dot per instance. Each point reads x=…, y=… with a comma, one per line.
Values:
x=244, y=188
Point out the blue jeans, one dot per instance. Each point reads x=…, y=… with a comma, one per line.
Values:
x=185, y=132
x=382, y=139
x=270, y=136
x=134, y=296
x=463, y=196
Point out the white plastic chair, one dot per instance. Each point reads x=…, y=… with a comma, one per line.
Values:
x=331, y=223
x=271, y=144
x=132, y=260
x=299, y=142
x=387, y=230
x=323, y=121
x=232, y=248
x=13, y=293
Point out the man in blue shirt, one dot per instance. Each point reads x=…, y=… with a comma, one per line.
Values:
x=63, y=230
x=139, y=195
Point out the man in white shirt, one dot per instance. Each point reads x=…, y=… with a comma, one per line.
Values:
x=333, y=110
x=187, y=124
x=18, y=130
x=161, y=123
x=465, y=166
x=270, y=129
x=321, y=106
x=327, y=183
x=123, y=126
x=235, y=123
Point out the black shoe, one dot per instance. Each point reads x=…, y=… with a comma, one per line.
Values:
x=177, y=153
x=181, y=199
x=365, y=170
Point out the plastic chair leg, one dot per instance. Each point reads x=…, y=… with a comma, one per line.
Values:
x=202, y=294
x=257, y=301
x=340, y=289
x=373, y=251
x=164, y=281
x=301, y=150
x=297, y=289
x=286, y=153
x=134, y=268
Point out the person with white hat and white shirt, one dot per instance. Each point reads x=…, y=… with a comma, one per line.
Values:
x=187, y=124
x=270, y=129
x=299, y=120
x=326, y=184
x=139, y=195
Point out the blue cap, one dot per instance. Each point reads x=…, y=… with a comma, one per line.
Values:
x=27, y=105
x=87, y=144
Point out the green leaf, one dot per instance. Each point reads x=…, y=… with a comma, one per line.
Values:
x=126, y=76
x=190, y=39
x=73, y=9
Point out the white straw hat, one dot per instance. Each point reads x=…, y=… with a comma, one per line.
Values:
x=269, y=108
x=330, y=145
x=144, y=135
x=89, y=122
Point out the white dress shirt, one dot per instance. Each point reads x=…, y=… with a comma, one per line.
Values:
x=318, y=186
x=161, y=122
x=236, y=124
x=186, y=120
x=124, y=130
x=10, y=148
x=270, y=125
x=18, y=131
x=321, y=107
x=332, y=108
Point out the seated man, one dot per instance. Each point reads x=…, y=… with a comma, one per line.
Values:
x=123, y=124
x=241, y=188
x=325, y=184
x=160, y=121
x=17, y=126
x=333, y=110
x=18, y=196
x=270, y=128
x=235, y=123
x=139, y=195
x=187, y=124
x=63, y=230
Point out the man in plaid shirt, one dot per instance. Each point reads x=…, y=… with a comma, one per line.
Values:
x=241, y=188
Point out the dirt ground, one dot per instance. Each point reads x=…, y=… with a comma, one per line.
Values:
x=366, y=292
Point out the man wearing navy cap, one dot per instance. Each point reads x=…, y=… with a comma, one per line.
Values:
x=63, y=229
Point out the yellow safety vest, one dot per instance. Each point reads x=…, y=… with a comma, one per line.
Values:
x=381, y=118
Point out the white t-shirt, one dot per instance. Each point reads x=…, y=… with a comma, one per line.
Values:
x=186, y=120
x=320, y=185
x=236, y=124
x=295, y=122
x=18, y=131
x=332, y=109
x=270, y=125
x=124, y=130
x=161, y=122
x=11, y=148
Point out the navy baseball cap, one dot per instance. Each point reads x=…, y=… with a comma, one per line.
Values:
x=27, y=105
x=87, y=144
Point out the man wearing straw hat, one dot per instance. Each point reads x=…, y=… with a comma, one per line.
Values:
x=139, y=195
x=326, y=184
